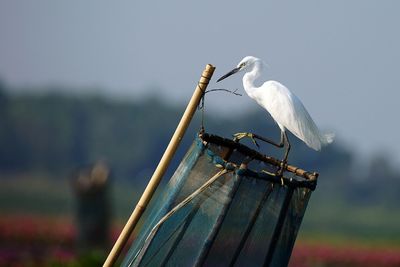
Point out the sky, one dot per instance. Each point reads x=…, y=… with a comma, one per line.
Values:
x=339, y=57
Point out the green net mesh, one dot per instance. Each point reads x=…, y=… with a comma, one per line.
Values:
x=246, y=217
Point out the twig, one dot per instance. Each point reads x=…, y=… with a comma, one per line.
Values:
x=201, y=105
x=225, y=90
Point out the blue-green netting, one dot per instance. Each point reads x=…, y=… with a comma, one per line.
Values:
x=239, y=220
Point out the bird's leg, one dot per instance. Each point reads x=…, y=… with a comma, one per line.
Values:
x=283, y=142
x=288, y=146
x=269, y=141
x=238, y=136
x=253, y=137
x=283, y=164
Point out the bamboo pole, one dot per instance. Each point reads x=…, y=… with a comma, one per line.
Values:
x=161, y=168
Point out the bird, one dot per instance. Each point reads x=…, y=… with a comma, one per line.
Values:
x=285, y=108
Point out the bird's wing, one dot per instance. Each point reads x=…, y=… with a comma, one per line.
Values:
x=288, y=111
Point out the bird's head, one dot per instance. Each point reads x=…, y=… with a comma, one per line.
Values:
x=247, y=63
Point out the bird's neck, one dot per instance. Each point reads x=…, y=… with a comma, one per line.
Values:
x=250, y=78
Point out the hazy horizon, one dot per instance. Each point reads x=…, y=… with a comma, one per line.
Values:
x=339, y=57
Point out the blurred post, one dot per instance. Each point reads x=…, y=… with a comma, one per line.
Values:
x=92, y=207
x=162, y=166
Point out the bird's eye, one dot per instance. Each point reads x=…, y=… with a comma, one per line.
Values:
x=243, y=64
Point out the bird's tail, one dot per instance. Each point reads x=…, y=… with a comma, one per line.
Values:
x=327, y=138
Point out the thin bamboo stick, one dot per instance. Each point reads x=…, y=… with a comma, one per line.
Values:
x=162, y=166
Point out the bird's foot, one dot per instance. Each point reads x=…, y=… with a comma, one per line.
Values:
x=239, y=136
x=281, y=168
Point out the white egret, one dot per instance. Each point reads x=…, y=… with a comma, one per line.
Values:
x=285, y=108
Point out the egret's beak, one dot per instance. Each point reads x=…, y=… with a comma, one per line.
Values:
x=229, y=74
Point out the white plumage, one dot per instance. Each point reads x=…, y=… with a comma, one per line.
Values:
x=285, y=107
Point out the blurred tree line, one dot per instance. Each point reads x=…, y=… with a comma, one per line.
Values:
x=57, y=133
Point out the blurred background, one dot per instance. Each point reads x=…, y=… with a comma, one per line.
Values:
x=91, y=92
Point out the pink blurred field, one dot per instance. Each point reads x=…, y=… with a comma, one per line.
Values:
x=305, y=255
x=38, y=241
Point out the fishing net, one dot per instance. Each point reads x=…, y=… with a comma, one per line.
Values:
x=223, y=207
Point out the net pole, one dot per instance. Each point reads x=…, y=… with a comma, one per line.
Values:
x=162, y=166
